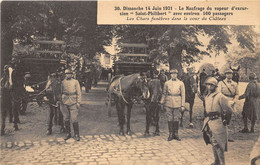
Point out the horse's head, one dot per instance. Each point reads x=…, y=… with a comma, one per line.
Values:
x=193, y=83
x=141, y=83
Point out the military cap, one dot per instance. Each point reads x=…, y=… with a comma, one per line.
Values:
x=252, y=76
x=173, y=71
x=27, y=75
x=228, y=71
x=212, y=81
x=68, y=71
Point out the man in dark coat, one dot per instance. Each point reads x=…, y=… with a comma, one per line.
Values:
x=251, y=105
x=203, y=77
x=163, y=78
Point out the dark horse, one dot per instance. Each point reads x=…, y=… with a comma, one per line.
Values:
x=191, y=87
x=152, y=106
x=122, y=90
x=12, y=89
x=235, y=75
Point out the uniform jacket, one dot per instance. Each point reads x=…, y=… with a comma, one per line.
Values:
x=232, y=86
x=71, y=92
x=173, y=94
x=251, y=108
x=217, y=102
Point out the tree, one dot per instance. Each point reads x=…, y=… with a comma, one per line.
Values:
x=182, y=43
x=23, y=21
x=246, y=59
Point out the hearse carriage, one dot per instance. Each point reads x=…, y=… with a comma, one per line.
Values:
x=38, y=65
x=132, y=58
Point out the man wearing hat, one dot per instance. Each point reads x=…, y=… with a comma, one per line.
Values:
x=173, y=100
x=214, y=129
x=71, y=98
x=53, y=93
x=229, y=88
x=251, y=105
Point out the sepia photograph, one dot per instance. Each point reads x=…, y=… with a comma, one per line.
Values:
x=130, y=82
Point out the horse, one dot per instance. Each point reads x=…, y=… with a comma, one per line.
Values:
x=235, y=75
x=191, y=88
x=152, y=106
x=12, y=88
x=123, y=89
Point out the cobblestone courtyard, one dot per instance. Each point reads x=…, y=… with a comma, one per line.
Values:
x=101, y=144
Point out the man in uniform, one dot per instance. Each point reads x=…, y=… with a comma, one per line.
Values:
x=229, y=88
x=203, y=77
x=53, y=93
x=251, y=105
x=173, y=100
x=162, y=77
x=214, y=128
x=71, y=98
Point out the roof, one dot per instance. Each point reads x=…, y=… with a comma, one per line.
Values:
x=134, y=55
x=49, y=42
x=137, y=45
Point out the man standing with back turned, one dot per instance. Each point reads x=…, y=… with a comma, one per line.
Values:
x=71, y=98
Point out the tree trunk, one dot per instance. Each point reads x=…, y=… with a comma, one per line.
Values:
x=175, y=59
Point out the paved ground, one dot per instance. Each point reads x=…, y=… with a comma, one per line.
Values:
x=100, y=143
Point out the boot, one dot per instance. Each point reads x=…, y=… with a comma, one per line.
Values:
x=245, y=130
x=49, y=130
x=221, y=155
x=252, y=127
x=16, y=127
x=175, y=132
x=216, y=162
x=170, y=126
x=76, y=131
x=67, y=127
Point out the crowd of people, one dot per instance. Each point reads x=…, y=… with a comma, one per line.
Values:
x=220, y=93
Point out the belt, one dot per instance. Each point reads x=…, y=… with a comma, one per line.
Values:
x=69, y=94
x=231, y=96
x=213, y=115
x=174, y=95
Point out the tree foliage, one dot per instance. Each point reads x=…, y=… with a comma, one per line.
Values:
x=248, y=60
x=23, y=21
x=183, y=43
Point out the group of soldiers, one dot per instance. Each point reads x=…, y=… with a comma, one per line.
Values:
x=219, y=102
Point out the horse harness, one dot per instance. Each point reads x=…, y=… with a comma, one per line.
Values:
x=120, y=90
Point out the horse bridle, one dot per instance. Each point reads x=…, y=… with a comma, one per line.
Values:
x=121, y=93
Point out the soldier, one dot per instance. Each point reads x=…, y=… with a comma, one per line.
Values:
x=251, y=105
x=173, y=100
x=203, y=77
x=53, y=93
x=229, y=88
x=71, y=98
x=162, y=77
x=214, y=129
